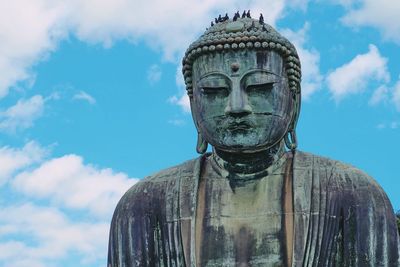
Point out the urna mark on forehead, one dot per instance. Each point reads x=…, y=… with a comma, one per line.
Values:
x=238, y=63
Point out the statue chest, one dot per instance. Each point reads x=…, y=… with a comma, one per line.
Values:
x=239, y=224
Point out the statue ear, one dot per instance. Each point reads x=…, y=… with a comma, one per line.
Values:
x=291, y=140
x=202, y=144
x=290, y=137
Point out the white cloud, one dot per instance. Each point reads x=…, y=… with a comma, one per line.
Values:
x=49, y=235
x=380, y=95
x=391, y=125
x=176, y=122
x=182, y=101
x=396, y=95
x=354, y=76
x=179, y=79
x=72, y=184
x=22, y=115
x=31, y=30
x=33, y=235
x=382, y=15
x=154, y=74
x=312, y=78
x=85, y=97
x=13, y=159
x=346, y=3
x=299, y=4
x=167, y=26
x=394, y=124
x=385, y=94
x=381, y=125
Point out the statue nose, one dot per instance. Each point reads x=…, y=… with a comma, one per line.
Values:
x=237, y=104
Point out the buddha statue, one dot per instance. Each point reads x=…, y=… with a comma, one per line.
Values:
x=255, y=200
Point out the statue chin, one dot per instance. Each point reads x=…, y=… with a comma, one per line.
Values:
x=246, y=149
x=247, y=141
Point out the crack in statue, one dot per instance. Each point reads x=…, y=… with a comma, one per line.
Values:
x=251, y=202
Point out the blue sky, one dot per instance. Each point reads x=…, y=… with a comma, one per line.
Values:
x=92, y=100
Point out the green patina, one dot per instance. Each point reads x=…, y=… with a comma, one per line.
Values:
x=255, y=200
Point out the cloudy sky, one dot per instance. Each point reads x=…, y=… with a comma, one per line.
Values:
x=91, y=100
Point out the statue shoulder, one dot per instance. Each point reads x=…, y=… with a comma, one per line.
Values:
x=327, y=186
x=153, y=188
x=165, y=177
x=342, y=176
x=150, y=204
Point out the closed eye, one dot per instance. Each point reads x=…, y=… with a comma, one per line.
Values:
x=260, y=87
x=214, y=90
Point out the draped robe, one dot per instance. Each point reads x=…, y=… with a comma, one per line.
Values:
x=338, y=216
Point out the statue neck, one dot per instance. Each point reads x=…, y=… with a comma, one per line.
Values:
x=246, y=166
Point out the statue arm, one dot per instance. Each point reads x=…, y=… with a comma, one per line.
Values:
x=131, y=233
x=146, y=228
x=369, y=225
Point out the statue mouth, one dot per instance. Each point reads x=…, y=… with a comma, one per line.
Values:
x=239, y=126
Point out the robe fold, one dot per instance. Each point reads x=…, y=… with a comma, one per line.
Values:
x=341, y=217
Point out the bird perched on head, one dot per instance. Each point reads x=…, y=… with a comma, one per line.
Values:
x=261, y=19
x=235, y=17
x=226, y=17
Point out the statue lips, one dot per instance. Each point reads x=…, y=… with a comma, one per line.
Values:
x=239, y=126
x=243, y=124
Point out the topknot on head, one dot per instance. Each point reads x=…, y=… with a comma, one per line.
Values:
x=242, y=32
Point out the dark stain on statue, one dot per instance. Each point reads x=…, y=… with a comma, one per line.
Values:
x=214, y=245
x=262, y=58
x=245, y=245
x=340, y=240
x=236, y=181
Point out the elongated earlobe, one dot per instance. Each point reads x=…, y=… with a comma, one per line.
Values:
x=291, y=140
x=202, y=144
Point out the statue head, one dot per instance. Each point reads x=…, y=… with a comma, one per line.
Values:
x=243, y=81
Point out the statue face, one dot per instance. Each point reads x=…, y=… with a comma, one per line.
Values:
x=241, y=99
